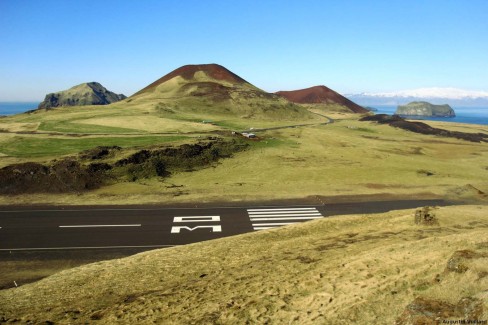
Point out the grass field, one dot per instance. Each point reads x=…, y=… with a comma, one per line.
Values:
x=28, y=146
x=362, y=269
x=344, y=158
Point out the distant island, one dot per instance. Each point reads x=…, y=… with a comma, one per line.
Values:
x=371, y=109
x=425, y=109
x=90, y=93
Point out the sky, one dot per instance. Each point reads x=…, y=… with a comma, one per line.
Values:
x=349, y=46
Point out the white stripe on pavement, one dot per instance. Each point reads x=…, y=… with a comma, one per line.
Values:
x=285, y=218
x=272, y=224
x=281, y=212
x=281, y=209
x=284, y=215
x=95, y=247
x=260, y=217
x=95, y=226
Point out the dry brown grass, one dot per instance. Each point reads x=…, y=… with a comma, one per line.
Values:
x=360, y=269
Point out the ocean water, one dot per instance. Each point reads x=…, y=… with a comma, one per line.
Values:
x=11, y=108
x=470, y=115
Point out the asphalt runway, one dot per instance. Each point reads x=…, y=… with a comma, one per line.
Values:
x=139, y=228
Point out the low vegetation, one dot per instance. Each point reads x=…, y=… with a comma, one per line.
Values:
x=103, y=165
x=362, y=269
x=347, y=159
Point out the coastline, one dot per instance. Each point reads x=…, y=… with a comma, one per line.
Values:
x=464, y=115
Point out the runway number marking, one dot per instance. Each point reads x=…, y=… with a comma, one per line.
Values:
x=277, y=217
x=192, y=219
x=196, y=219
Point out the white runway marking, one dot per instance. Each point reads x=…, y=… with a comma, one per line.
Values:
x=285, y=214
x=286, y=218
x=282, y=209
x=273, y=224
x=260, y=217
x=96, y=247
x=196, y=219
x=96, y=226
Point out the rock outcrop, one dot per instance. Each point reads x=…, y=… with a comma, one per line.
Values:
x=425, y=109
x=91, y=93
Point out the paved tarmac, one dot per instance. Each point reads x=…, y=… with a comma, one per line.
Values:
x=144, y=228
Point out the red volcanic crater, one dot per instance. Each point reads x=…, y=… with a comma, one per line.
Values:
x=318, y=95
x=187, y=72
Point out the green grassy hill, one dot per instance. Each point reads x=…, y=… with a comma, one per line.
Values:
x=212, y=92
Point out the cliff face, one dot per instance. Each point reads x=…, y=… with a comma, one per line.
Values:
x=425, y=109
x=91, y=93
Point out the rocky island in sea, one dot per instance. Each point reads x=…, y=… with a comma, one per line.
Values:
x=90, y=93
x=425, y=109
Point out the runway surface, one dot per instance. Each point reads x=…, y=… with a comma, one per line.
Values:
x=139, y=228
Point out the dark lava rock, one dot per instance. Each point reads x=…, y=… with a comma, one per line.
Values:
x=459, y=260
x=422, y=128
x=423, y=311
x=68, y=175
x=91, y=93
x=99, y=152
x=425, y=216
x=63, y=176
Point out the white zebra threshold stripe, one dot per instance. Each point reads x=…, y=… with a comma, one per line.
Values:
x=282, y=212
x=282, y=209
x=285, y=215
x=272, y=224
x=276, y=217
x=286, y=218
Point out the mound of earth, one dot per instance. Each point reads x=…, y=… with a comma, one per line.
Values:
x=420, y=127
x=321, y=95
x=210, y=90
x=187, y=72
x=91, y=93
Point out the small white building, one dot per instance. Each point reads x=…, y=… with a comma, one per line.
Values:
x=248, y=135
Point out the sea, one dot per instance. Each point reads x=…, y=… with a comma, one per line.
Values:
x=470, y=115
x=11, y=108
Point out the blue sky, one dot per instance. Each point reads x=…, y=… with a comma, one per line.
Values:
x=349, y=46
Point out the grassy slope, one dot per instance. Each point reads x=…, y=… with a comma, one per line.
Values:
x=246, y=104
x=47, y=135
x=344, y=270
x=344, y=158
